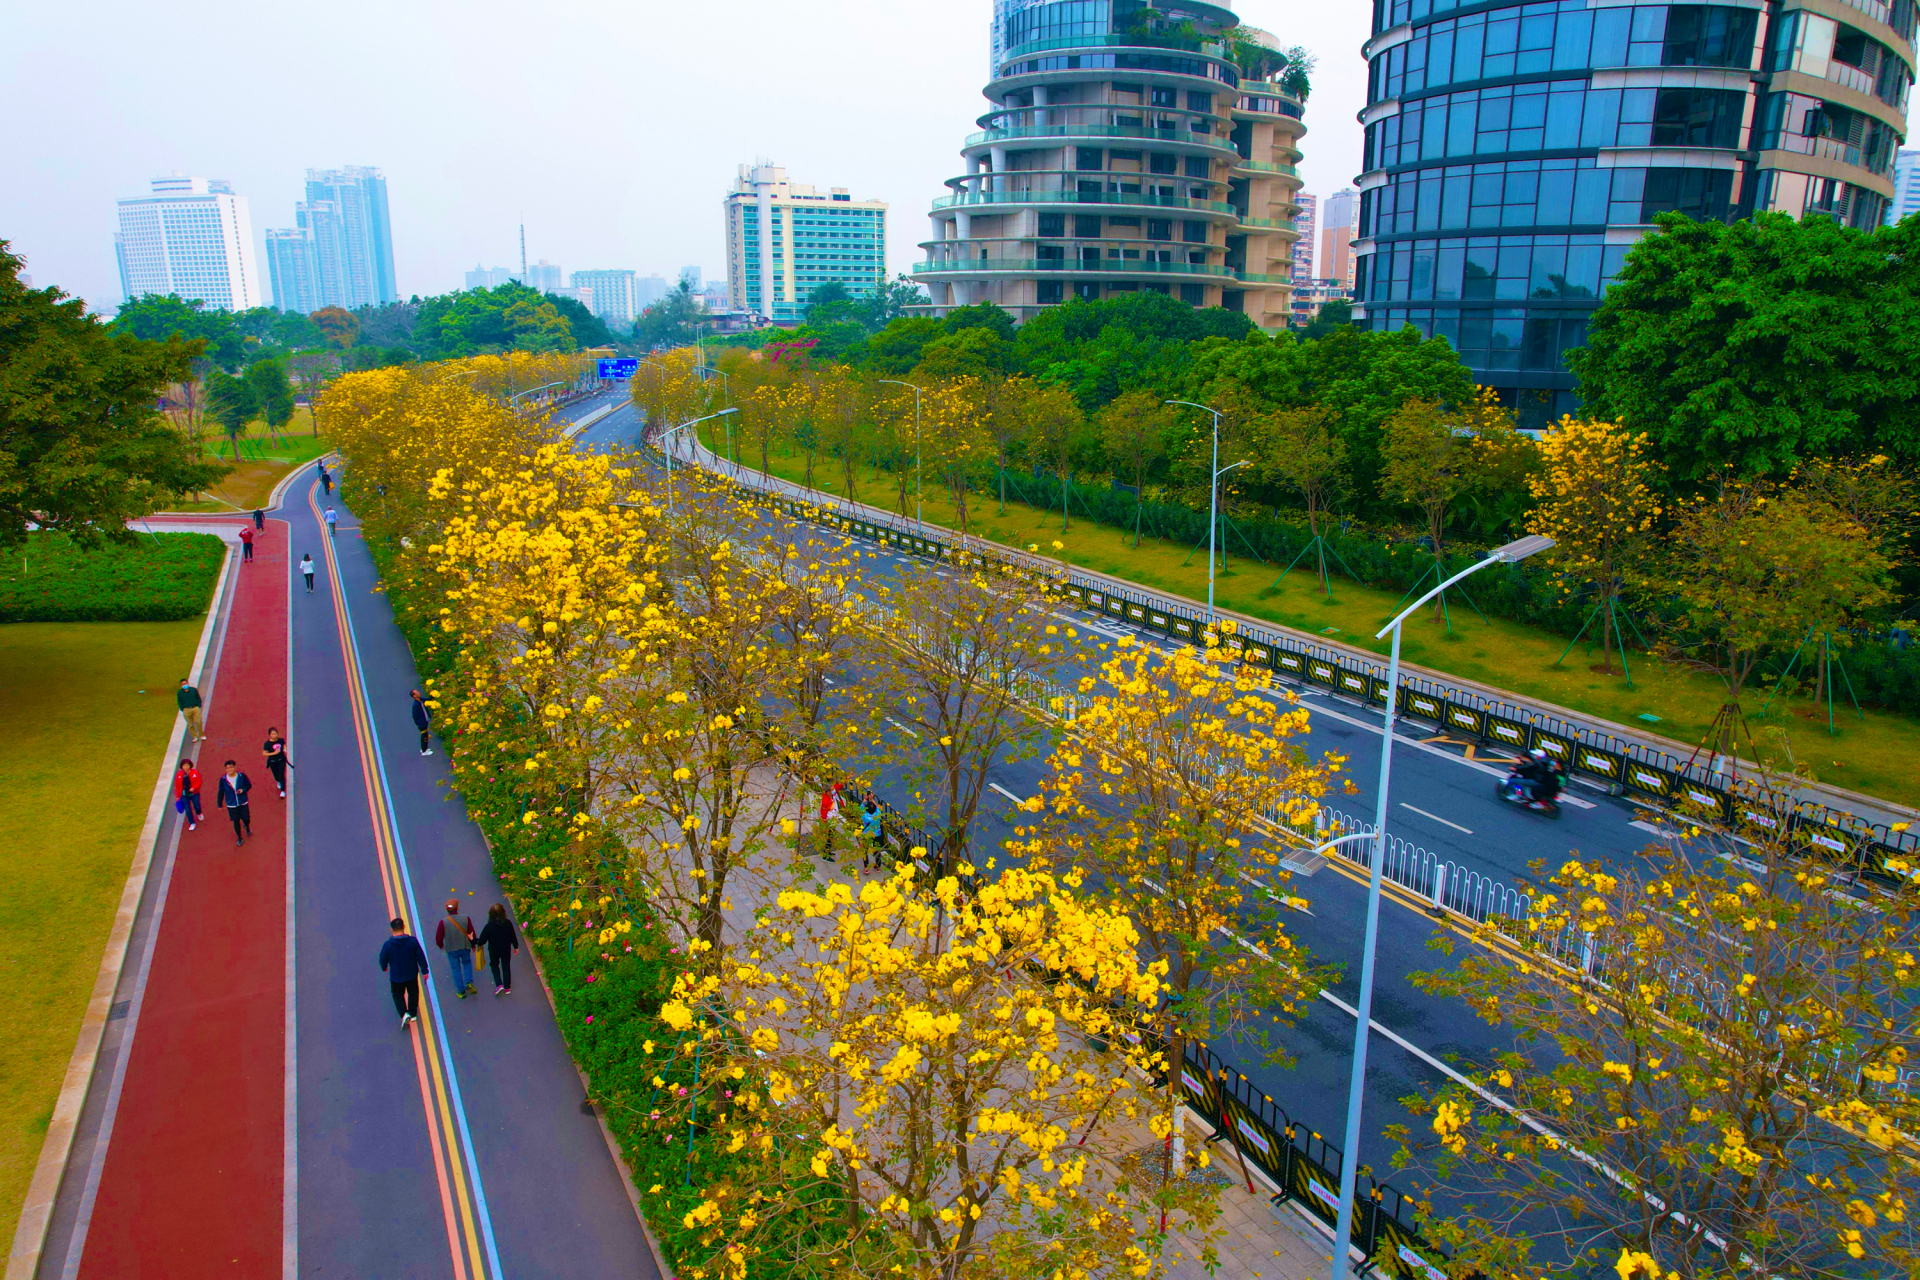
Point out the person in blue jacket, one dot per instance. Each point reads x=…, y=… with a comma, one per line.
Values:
x=422, y=720
x=235, y=789
x=404, y=960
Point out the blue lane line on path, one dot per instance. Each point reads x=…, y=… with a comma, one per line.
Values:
x=433, y=989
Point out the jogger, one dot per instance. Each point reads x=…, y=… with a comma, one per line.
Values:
x=275, y=750
x=454, y=935
x=423, y=721
x=501, y=940
x=235, y=788
x=404, y=960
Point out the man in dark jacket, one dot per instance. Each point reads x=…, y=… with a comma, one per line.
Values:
x=404, y=960
x=235, y=788
x=188, y=700
x=422, y=719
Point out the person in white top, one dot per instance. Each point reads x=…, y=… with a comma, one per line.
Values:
x=306, y=571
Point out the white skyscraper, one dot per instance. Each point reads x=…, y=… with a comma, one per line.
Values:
x=192, y=237
x=615, y=298
x=1906, y=186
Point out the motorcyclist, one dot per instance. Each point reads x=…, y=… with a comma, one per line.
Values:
x=1542, y=777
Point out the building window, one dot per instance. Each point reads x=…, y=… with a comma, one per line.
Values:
x=1194, y=295
x=1158, y=163
x=1087, y=158
x=1201, y=102
x=1048, y=292
x=1159, y=228
x=1165, y=97
x=1194, y=232
x=1054, y=224
x=1198, y=167
x=1087, y=289
x=1086, y=226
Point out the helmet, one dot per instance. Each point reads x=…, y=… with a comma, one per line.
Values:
x=1538, y=753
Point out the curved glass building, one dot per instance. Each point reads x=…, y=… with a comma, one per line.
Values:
x=1127, y=146
x=1515, y=151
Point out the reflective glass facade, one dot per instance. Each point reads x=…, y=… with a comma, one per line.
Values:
x=1515, y=151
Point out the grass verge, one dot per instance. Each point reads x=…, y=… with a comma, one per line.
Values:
x=88, y=704
x=1873, y=753
x=162, y=577
x=264, y=462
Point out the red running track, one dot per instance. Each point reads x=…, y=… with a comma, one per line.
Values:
x=191, y=1186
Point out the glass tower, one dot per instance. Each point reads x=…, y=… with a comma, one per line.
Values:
x=1515, y=152
x=1126, y=147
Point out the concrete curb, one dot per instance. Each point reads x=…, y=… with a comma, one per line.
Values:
x=36, y=1211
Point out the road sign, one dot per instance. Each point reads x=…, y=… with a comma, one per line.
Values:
x=619, y=368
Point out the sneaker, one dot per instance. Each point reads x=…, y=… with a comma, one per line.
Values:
x=412, y=1018
x=506, y=991
x=472, y=990
x=460, y=995
x=283, y=793
x=499, y=991
x=403, y=1021
x=427, y=752
x=192, y=827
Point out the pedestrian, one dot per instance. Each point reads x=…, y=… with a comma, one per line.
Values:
x=188, y=700
x=403, y=960
x=306, y=571
x=246, y=545
x=422, y=720
x=454, y=935
x=235, y=790
x=275, y=750
x=186, y=793
x=829, y=814
x=502, y=943
x=330, y=518
x=326, y=480
x=874, y=833
x=259, y=520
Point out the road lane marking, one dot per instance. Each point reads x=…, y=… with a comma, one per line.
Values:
x=1436, y=817
x=902, y=728
x=1008, y=794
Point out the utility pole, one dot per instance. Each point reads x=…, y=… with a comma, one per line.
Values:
x=523, y=253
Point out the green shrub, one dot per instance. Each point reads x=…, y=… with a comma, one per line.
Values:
x=163, y=578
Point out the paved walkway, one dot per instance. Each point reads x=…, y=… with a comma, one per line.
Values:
x=260, y=1111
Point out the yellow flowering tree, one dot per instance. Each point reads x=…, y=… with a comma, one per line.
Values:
x=1169, y=795
x=939, y=1102
x=1715, y=1079
x=1596, y=495
x=1134, y=430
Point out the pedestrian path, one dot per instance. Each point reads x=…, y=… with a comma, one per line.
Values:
x=261, y=1111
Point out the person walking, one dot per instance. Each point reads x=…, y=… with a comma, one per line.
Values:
x=326, y=479
x=275, y=750
x=403, y=960
x=259, y=520
x=829, y=814
x=874, y=834
x=235, y=790
x=246, y=545
x=330, y=518
x=423, y=721
x=502, y=942
x=188, y=700
x=454, y=935
x=306, y=570
x=186, y=793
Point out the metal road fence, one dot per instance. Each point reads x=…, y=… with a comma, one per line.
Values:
x=1648, y=774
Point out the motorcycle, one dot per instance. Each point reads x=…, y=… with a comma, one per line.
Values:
x=1517, y=790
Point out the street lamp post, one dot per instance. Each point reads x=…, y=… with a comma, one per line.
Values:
x=668, y=449
x=530, y=390
x=1511, y=553
x=732, y=460
x=918, y=518
x=1213, y=495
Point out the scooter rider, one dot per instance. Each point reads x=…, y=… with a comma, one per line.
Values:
x=1542, y=777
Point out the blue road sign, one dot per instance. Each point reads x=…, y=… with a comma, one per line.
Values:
x=619, y=368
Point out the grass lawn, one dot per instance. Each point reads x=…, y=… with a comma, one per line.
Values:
x=252, y=481
x=1874, y=755
x=88, y=703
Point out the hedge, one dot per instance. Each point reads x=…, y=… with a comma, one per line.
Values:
x=161, y=578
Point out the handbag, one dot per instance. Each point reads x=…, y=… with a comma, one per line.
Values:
x=180, y=804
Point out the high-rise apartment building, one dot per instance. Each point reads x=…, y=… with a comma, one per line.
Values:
x=615, y=297
x=293, y=269
x=1126, y=148
x=649, y=290
x=545, y=277
x=1516, y=151
x=1906, y=186
x=786, y=239
x=1303, y=229
x=192, y=237
x=363, y=265
x=491, y=277
x=1340, y=216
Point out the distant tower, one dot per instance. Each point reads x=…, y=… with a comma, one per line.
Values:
x=523, y=253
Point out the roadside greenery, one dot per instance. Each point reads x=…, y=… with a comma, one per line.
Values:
x=157, y=578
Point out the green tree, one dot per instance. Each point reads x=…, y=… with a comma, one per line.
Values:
x=670, y=321
x=588, y=329
x=272, y=392
x=537, y=325
x=890, y=301
x=158, y=317
x=832, y=304
x=1134, y=430
x=1363, y=377
x=233, y=405
x=1336, y=314
x=1434, y=453
x=973, y=352
x=895, y=350
x=1745, y=347
x=83, y=450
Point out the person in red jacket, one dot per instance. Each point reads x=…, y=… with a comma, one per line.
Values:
x=246, y=545
x=186, y=793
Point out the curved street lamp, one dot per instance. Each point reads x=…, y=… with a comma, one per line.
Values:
x=917, y=516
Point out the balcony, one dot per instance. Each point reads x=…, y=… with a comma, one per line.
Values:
x=1261, y=166
x=1206, y=48
x=1128, y=132
x=1074, y=266
x=976, y=199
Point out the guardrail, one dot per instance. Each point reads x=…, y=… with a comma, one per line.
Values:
x=1648, y=774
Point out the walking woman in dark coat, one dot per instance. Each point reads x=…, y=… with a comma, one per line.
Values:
x=502, y=941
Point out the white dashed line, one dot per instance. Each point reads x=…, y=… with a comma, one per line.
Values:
x=1008, y=794
x=1436, y=817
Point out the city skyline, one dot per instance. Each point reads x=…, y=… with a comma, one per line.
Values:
x=462, y=187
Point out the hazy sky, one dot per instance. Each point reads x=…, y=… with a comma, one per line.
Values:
x=614, y=130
